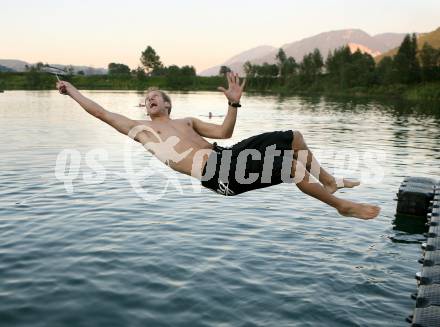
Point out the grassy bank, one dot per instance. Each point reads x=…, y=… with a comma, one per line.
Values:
x=322, y=86
x=417, y=92
x=43, y=81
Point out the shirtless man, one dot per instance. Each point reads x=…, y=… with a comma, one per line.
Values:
x=180, y=143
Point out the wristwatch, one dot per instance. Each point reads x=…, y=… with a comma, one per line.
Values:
x=234, y=104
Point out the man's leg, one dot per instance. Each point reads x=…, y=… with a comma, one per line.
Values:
x=307, y=185
x=303, y=154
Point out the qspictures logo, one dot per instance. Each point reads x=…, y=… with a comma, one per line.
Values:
x=73, y=167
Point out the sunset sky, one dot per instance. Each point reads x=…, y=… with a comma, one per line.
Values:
x=193, y=32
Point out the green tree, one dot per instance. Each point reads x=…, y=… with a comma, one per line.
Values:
x=267, y=70
x=281, y=59
x=249, y=69
x=290, y=66
x=311, y=67
x=385, y=72
x=415, y=70
x=188, y=71
x=181, y=78
x=34, y=76
x=290, y=70
x=150, y=60
x=406, y=63
x=346, y=69
x=118, y=69
x=429, y=58
x=224, y=70
x=318, y=61
x=173, y=76
x=281, y=56
x=39, y=66
x=139, y=72
x=262, y=76
x=336, y=62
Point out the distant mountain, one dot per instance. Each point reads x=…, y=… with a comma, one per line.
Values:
x=236, y=62
x=15, y=65
x=355, y=47
x=325, y=42
x=20, y=66
x=432, y=38
x=5, y=69
x=390, y=40
x=251, y=54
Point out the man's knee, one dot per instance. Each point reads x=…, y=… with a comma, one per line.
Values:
x=298, y=172
x=298, y=140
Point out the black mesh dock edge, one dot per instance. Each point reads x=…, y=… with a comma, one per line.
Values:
x=414, y=196
x=425, y=192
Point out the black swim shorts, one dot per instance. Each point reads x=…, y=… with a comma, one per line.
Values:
x=256, y=162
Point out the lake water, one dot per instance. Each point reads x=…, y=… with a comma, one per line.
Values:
x=110, y=238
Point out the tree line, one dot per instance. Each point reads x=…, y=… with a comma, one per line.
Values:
x=344, y=69
x=152, y=66
x=151, y=70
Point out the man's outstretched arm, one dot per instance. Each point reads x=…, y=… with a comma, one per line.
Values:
x=121, y=123
x=225, y=130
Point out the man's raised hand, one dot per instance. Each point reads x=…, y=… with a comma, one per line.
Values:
x=234, y=91
x=64, y=87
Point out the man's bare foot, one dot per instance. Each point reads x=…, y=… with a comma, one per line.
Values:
x=358, y=210
x=339, y=183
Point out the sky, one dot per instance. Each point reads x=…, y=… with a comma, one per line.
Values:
x=192, y=32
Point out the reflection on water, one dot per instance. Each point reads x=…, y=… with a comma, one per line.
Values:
x=103, y=255
x=410, y=224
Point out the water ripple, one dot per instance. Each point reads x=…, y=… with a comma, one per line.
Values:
x=104, y=256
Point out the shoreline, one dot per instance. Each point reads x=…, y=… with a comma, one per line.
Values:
x=25, y=82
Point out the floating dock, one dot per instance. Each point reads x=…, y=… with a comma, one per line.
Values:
x=419, y=199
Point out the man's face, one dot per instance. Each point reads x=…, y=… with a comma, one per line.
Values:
x=155, y=104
